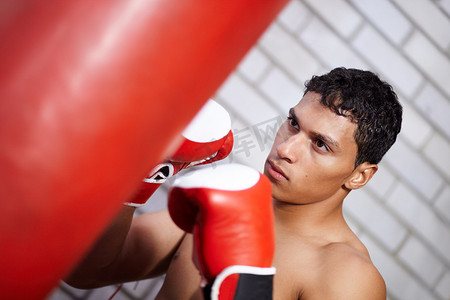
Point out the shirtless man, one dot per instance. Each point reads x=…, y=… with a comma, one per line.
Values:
x=330, y=144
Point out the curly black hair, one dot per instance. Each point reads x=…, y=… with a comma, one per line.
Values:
x=367, y=101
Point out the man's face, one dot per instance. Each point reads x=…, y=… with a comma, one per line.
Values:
x=313, y=153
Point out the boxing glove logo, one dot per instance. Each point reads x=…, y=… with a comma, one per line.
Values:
x=160, y=173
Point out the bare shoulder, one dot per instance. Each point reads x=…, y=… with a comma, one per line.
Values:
x=348, y=273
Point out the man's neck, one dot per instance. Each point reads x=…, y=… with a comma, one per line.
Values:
x=322, y=219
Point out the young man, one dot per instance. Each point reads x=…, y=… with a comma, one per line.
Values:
x=330, y=144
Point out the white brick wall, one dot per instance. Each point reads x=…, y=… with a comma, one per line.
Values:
x=428, y=18
x=435, y=107
x=339, y=14
x=375, y=219
x=442, y=204
x=420, y=218
x=403, y=215
x=421, y=261
x=429, y=60
x=415, y=129
x=443, y=288
x=388, y=61
x=437, y=151
x=407, y=163
x=394, y=26
x=330, y=49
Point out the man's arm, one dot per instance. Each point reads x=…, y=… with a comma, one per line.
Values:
x=182, y=279
x=130, y=249
x=362, y=282
x=349, y=277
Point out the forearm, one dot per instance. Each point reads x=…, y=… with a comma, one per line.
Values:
x=94, y=267
x=131, y=249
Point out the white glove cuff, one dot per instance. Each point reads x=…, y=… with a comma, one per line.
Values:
x=237, y=270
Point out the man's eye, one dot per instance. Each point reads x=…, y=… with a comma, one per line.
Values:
x=292, y=122
x=321, y=145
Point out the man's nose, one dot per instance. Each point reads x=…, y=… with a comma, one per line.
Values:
x=289, y=148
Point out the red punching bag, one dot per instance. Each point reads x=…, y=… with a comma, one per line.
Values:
x=92, y=95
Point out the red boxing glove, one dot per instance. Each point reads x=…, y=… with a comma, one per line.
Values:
x=208, y=138
x=229, y=210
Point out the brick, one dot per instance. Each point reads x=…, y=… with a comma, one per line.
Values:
x=443, y=288
x=415, y=129
x=429, y=59
x=331, y=50
x=236, y=119
x=444, y=5
x=288, y=53
x=435, y=107
x=246, y=149
x=390, y=63
x=382, y=181
x=294, y=16
x=254, y=65
x=400, y=283
x=338, y=14
x=442, y=204
x=244, y=101
x=375, y=219
x=157, y=201
x=255, y=160
x=236, y=122
x=144, y=289
x=252, y=143
x=59, y=294
x=354, y=226
x=386, y=18
x=245, y=143
x=105, y=293
x=437, y=151
x=282, y=91
x=414, y=169
x=421, y=261
x=429, y=18
x=422, y=220
x=65, y=288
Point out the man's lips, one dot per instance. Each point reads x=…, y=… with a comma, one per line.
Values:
x=275, y=171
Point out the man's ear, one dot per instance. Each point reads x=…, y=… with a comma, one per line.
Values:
x=361, y=176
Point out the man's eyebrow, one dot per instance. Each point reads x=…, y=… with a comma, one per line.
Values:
x=292, y=113
x=327, y=140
